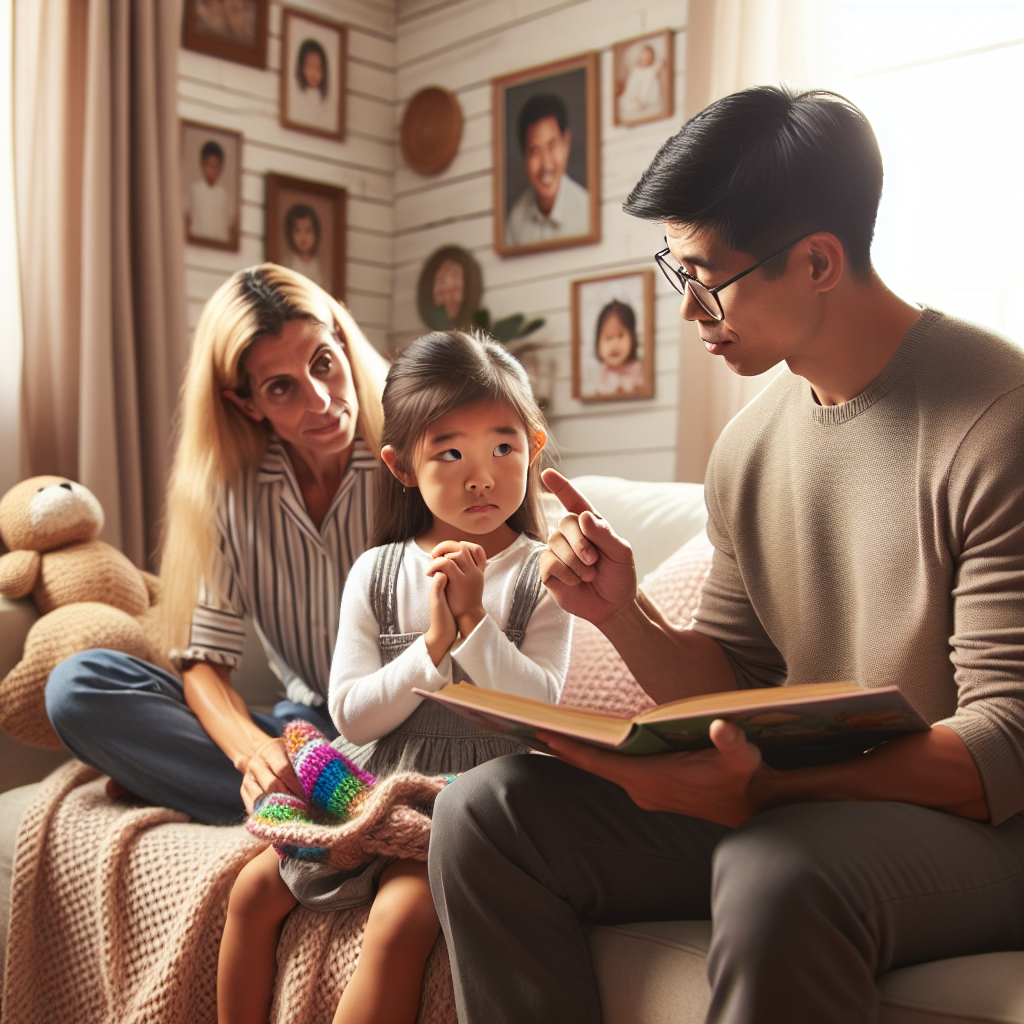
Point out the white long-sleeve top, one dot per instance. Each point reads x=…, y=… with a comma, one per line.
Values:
x=368, y=699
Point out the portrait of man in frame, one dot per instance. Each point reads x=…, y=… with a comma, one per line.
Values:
x=547, y=157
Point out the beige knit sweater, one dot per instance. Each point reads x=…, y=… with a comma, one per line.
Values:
x=882, y=541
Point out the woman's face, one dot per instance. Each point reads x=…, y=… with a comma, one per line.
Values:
x=614, y=343
x=313, y=69
x=303, y=237
x=301, y=384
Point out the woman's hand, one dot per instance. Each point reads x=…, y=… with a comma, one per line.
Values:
x=442, y=631
x=463, y=563
x=267, y=770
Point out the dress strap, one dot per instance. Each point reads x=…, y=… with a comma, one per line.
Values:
x=525, y=597
x=384, y=586
x=384, y=601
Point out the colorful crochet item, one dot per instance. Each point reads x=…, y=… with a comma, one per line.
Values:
x=333, y=784
x=349, y=817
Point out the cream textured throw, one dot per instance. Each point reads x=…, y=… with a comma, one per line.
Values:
x=117, y=913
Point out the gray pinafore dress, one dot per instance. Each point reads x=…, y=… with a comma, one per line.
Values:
x=432, y=740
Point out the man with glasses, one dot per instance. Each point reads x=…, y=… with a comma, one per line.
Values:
x=867, y=514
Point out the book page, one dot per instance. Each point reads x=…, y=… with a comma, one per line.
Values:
x=587, y=725
x=742, y=700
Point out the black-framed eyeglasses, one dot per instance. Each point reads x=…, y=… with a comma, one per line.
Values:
x=705, y=297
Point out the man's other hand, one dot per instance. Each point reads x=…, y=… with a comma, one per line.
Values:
x=711, y=784
x=587, y=567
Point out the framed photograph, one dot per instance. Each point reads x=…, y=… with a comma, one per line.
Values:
x=613, y=336
x=644, y=78
x=231, y=29
x=306, y=230
x=313, y=67
x=448, y=291
x=211, y=176
x=547, y=157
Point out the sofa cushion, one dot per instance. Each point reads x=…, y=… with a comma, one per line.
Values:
x=655, y=972
x=983, y=989
x=598, y=678
x=656, y=518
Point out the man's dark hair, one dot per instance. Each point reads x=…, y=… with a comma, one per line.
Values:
x=211, y=148
x=536, y=108
x=763, y=167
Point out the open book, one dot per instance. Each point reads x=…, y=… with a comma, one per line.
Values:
x=793, y=725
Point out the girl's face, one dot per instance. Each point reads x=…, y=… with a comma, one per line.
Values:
x=301, y=383
x=614, y=342
x=471, y=466
x=313, y=70
x=303, y=237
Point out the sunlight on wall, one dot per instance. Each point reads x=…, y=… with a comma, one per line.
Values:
x=943, y=85
x=10, y=280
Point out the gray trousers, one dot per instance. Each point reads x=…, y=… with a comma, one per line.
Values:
x=129, y=719
x=810, y=902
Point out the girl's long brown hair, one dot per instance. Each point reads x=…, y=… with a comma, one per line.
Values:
x=436, y=375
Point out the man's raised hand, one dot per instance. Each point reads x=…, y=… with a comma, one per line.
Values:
x=587, y=567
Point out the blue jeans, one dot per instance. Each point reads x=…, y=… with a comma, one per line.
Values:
x=129, y=719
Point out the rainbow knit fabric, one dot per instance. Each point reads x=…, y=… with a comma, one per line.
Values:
x=333, y=785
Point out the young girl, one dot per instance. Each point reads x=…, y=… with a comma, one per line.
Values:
x=452, y=592
x=617, y=349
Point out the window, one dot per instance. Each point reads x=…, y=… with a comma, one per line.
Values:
x=943, y=85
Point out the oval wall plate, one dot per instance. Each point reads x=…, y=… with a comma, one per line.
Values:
x=431, y=130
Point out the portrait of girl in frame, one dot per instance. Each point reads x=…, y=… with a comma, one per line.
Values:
x=313, y=71
x=613, y=336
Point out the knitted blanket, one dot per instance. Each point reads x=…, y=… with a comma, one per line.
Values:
x=117, y=913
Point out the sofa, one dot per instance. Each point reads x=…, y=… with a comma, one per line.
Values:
x=650, y=972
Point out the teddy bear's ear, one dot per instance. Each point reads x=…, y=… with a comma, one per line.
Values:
x=18, y=572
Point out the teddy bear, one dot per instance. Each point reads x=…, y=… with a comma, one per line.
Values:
x=90, y=595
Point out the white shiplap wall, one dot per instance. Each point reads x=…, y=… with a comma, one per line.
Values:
x=396, y=217
x=461, y=45
x=245, y=99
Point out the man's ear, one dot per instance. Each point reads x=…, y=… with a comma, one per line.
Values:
x=827, y=261
x=243, y=404
x=389, y=454
x=539, y=440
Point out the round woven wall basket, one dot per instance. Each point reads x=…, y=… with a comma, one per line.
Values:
x=431, y=130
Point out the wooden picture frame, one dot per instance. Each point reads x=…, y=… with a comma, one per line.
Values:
x=213, y=205
x=313, y=45
x=564, y=91
x=462, y=281
x=235, y=31
x=644, y=91
x=613, y=336
x=305, y=230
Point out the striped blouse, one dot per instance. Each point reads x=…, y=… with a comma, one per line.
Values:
x=275, y=566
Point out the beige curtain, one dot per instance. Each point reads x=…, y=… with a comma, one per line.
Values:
x=730, y=45
x=101, y=250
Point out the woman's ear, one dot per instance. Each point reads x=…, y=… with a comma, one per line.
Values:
x=243, y=404
x=390, y=456
x=539, y=440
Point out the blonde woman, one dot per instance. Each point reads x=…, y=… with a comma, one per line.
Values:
x=269, y=504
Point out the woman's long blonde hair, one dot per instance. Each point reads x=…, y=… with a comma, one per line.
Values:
x=216, y=441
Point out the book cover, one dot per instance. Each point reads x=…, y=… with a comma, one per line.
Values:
x=812, y=723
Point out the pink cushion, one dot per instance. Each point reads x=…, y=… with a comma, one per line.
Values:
x=598, y=678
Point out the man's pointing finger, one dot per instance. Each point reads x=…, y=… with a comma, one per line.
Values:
x=565, y=492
